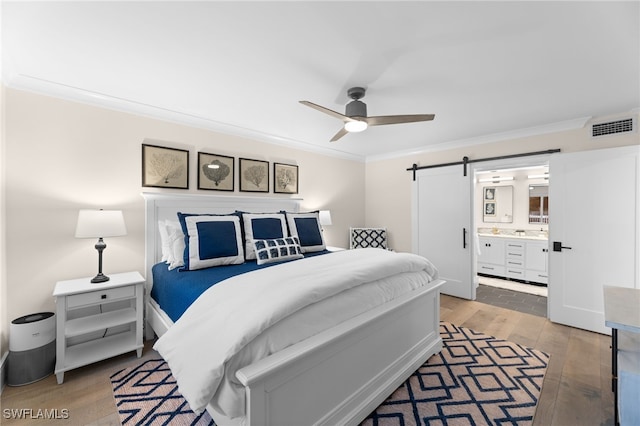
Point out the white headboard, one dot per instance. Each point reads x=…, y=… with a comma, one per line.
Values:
x=161, y=206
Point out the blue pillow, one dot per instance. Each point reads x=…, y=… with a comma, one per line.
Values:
x=211, y=240
x=306, y=226
x=277, y=250
x=262, y=226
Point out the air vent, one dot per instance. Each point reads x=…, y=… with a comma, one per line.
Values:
x=612, y=127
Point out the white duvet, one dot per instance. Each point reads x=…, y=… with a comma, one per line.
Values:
x=248, y=317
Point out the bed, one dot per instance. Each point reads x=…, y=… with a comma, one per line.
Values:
x=336, y=375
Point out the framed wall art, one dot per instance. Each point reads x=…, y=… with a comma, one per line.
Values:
x=490, y=193
x=489, y=208
x=215, y=172
x=254, y=175
x=164, y=167
x=285, y=178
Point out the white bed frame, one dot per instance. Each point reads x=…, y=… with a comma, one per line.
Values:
x=336, y=377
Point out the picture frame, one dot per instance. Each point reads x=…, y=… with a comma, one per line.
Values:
x=253, y=175
x=490, y=193
x=216, y=172
x=285, y=178
x=490, y=208
x=164, y=167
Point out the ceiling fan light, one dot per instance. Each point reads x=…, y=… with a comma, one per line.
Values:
x=355, y=126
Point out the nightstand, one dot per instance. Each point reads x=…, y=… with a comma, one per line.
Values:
x=97, y=321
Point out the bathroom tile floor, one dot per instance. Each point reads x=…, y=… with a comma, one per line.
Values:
x=514, y=300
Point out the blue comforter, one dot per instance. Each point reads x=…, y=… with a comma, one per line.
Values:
x=176, y=290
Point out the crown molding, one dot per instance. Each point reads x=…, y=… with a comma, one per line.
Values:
x=71, y=93
x=560, y=126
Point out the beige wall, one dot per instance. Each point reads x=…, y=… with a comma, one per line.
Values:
x=388, y=184
x=62, y=156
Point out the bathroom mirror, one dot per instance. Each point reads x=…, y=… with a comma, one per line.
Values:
x=497, y=205
x=539, y=204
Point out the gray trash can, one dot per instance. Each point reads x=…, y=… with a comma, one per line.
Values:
x=32, y=348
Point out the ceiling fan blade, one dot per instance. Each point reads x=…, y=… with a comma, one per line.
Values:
x=323, y=109
x=398, y=119
x=338, y=135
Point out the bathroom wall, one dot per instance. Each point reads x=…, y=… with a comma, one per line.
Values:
x=520, y=186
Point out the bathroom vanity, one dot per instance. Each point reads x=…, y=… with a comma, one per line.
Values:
x=517, y=257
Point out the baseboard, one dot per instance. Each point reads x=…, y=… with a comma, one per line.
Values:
x=3, y=371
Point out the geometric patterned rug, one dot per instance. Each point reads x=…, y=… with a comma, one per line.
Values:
x=148, y=395
x=475, y=380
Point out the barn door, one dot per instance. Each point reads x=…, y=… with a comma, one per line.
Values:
x=441, y=226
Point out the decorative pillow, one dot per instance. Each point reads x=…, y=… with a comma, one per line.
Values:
x=277, y=250
x=175, y=240
x=172, y=243
x=177, y=259
x=164, y=240
x=211, y=240
x=306, y=226
x=262, y=226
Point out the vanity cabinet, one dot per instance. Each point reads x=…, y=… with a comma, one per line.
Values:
x=514, y=258
x=491, y=259
x=537, y=256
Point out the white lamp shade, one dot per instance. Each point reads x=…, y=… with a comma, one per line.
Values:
x=325, y=217
x=100, y=223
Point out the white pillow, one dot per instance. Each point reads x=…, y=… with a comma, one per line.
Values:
x=175, y=240
x=164, y=240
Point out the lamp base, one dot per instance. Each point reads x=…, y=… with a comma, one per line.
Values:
x=100, y=278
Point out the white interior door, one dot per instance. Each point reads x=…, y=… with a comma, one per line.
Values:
x=594, y=208
x=441, y=224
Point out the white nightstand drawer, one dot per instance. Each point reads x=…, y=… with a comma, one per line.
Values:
x=100, y=296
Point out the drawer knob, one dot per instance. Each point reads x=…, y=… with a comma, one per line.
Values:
x=104, y=296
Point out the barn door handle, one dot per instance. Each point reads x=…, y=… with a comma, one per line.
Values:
x=557, y=246
x=464, y=238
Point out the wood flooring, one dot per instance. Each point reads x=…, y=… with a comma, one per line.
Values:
x=576, y=390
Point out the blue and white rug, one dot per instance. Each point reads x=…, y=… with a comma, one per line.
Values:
x=476, y=380
x=148, y=395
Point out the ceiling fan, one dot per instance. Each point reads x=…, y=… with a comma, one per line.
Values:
x=355, y=118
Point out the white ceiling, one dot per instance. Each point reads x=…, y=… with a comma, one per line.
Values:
x=483, y=68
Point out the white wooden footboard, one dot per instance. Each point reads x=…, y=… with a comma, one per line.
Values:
x=339, y=376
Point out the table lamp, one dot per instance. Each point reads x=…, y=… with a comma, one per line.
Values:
x=100, y=224
x=325, y=217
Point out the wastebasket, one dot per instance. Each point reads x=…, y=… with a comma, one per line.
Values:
x=32, y=348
